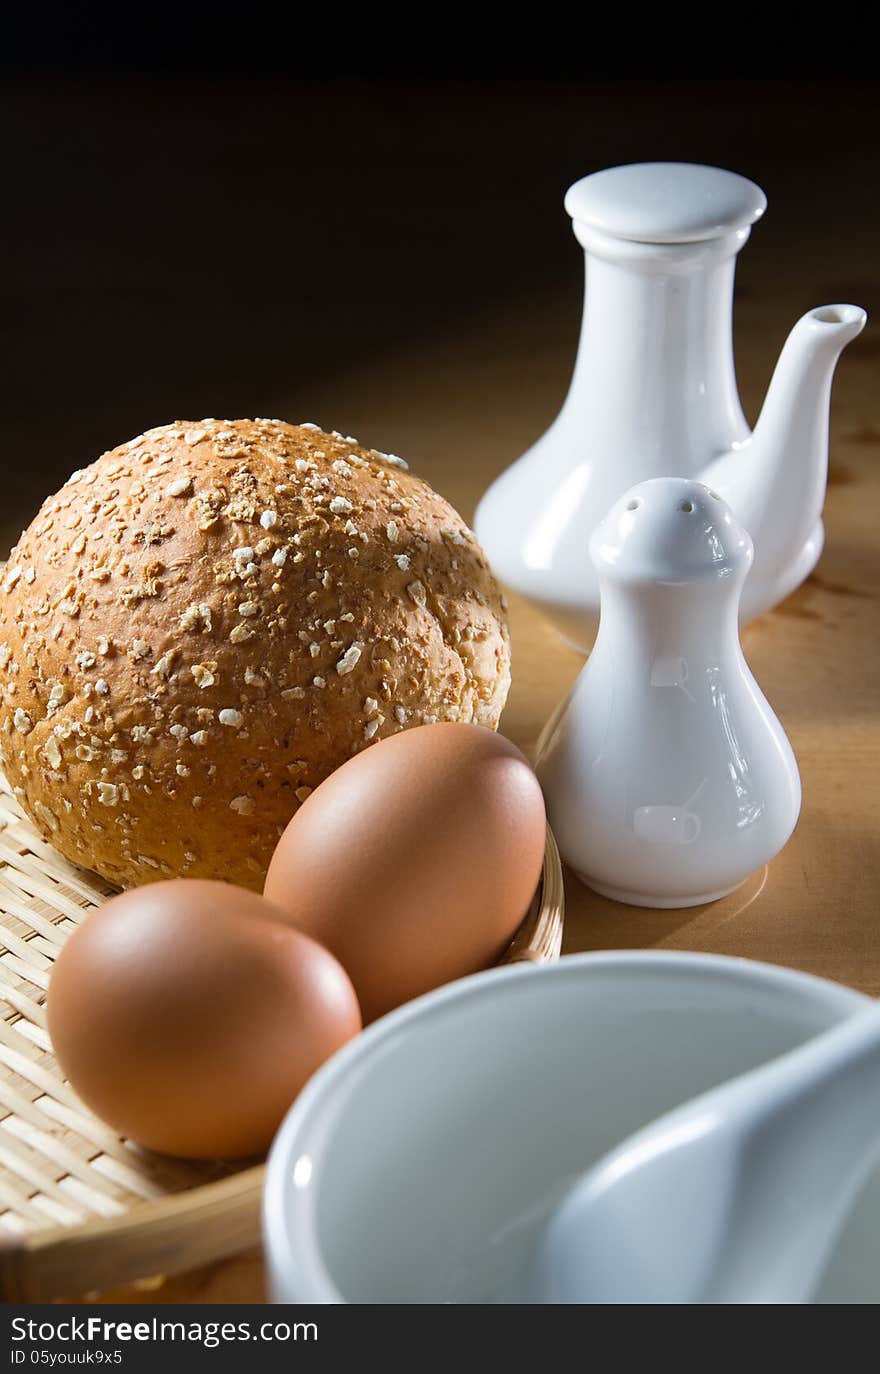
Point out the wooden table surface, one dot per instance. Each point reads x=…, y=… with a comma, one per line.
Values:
x=467, y=406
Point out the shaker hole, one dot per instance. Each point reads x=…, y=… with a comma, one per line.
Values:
x=686, y=506
x=633, y=505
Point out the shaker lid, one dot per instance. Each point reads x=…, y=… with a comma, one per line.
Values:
x=671, y=530
x=665, y=202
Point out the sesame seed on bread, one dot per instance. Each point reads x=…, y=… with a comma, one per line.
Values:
x=202, y=625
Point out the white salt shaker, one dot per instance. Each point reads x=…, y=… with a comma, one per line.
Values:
x=668, y=778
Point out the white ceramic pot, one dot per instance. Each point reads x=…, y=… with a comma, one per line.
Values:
x=418, y=1163
x=654, y=395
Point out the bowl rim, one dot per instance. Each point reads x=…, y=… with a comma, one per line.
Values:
x=295, y=1248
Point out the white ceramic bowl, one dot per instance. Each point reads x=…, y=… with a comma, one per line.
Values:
x=413, y=1166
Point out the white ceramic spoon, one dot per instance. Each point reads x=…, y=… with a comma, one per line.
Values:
x=736, y=1197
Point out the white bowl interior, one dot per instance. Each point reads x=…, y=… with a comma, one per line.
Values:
x=442, y=1134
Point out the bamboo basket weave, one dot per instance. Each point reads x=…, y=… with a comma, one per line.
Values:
x=80, y=1208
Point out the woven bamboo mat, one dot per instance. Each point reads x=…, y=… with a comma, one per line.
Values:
x=80, y=1207
x=59, y=1165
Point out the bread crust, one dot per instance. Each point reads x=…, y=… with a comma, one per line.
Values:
x=206, y=622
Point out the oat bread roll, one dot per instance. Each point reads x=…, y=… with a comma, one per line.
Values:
x=201, y=626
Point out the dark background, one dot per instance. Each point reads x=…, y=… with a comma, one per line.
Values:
x=207, y=217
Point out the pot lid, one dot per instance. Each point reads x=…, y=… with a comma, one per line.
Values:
x=665, y=202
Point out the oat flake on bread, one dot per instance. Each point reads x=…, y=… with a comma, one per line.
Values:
x=203, y=624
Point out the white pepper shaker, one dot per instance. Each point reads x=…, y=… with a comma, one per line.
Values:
x=668, y=778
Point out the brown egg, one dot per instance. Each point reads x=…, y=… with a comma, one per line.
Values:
x=416, y=861
x=188, y=1015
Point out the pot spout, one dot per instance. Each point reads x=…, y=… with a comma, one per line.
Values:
x=776, y=479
